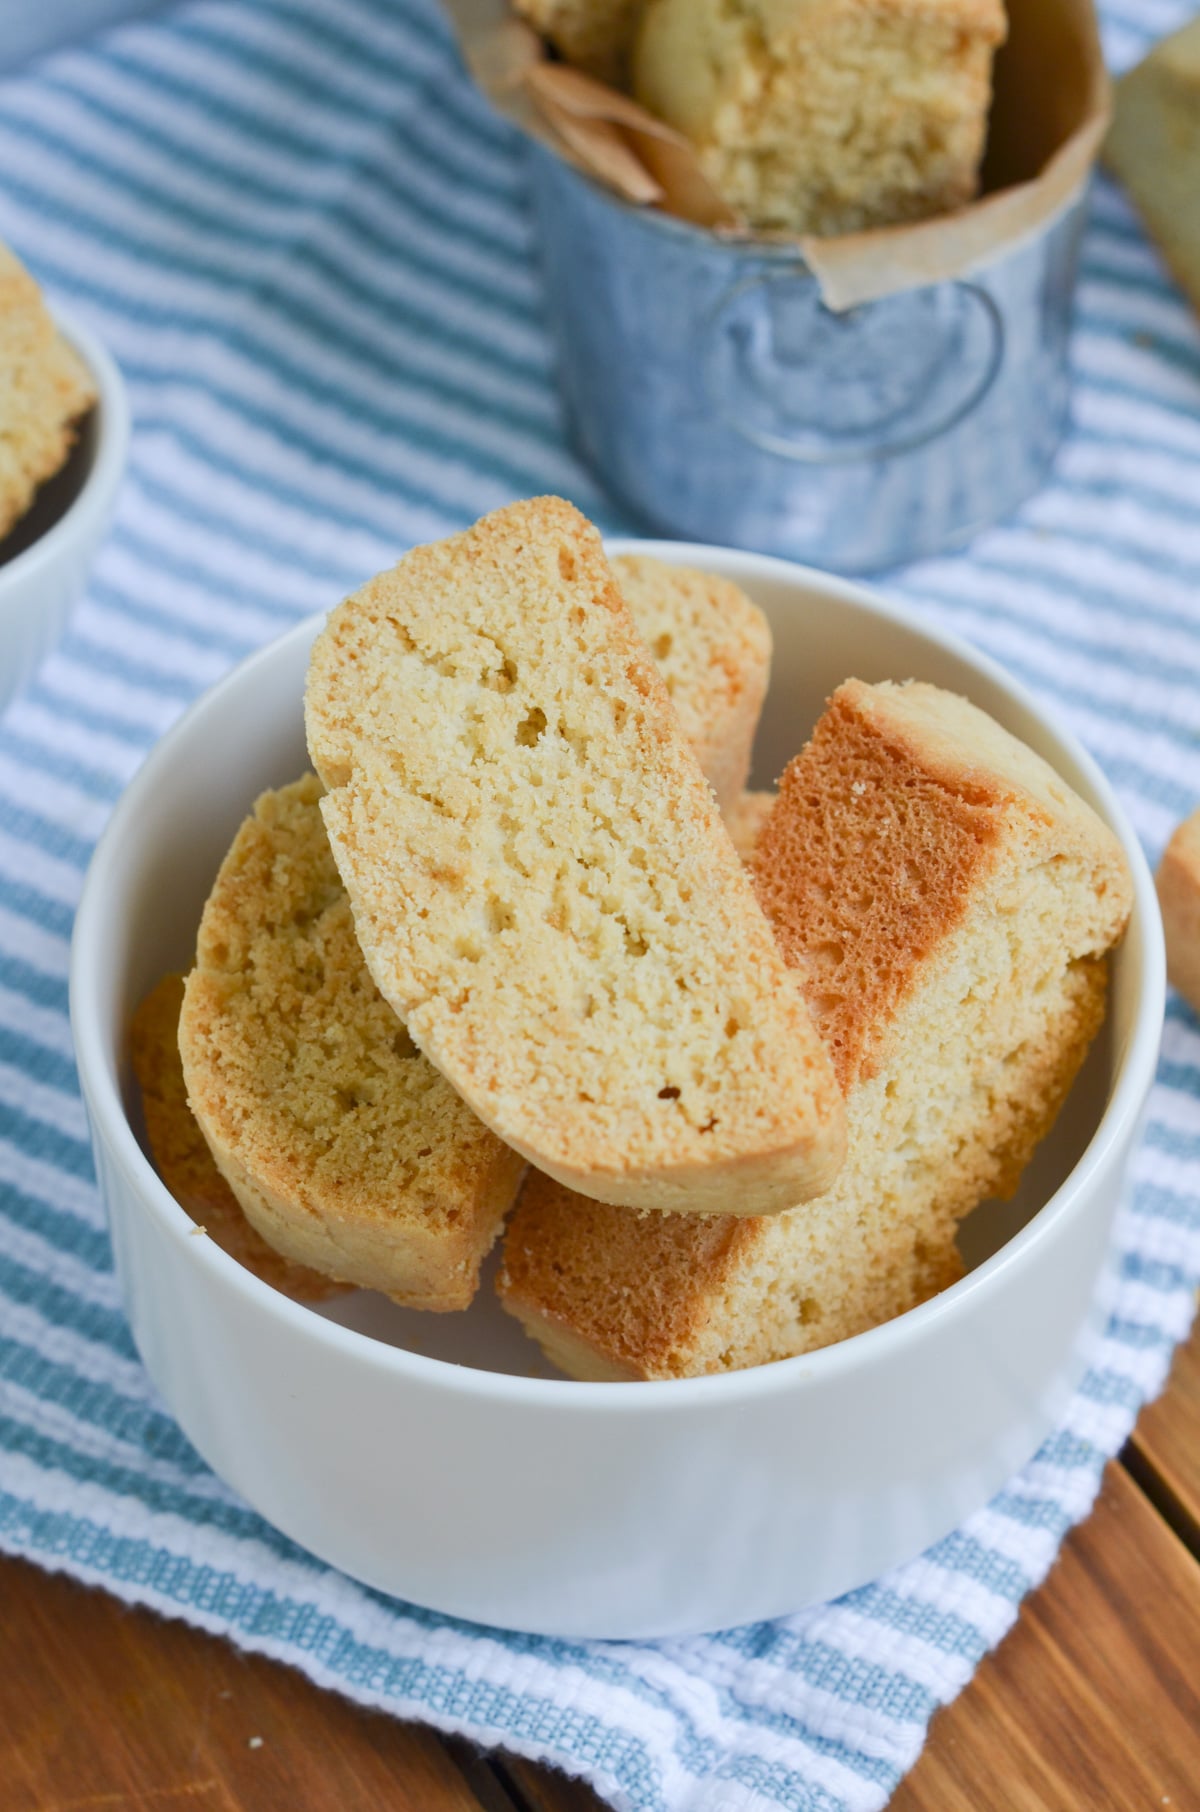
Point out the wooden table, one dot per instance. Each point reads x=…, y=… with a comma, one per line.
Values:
x=1091, y=1705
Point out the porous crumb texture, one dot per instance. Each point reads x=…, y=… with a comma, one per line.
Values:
x=346, y=1149
x=542, y=886
x=595, y=35
x=183, y=1160
x=713, y=649
x=949, y=902
x=44, y=390
x=1179, y=897
x=715, y=645
x=826, y=116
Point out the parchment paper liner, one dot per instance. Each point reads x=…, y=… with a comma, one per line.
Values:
x=1051, y=110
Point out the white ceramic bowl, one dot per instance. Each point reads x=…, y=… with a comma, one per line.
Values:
x=433, y=1456
x=44, y=561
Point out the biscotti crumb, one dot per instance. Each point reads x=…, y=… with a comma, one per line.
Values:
x=542, y=886
x=182, y=1157
x=713, y=649
x=826, y=118
x=715, y=646
x=949, y=902
x=346, y=1149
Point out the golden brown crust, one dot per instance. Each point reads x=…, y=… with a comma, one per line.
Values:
x=542, y=886
x=866, y=866
x=346, y=1149
x=182, y=1157
x=634, y=1290
x=608, y=1295
x=661, y=1296
x=949, y=903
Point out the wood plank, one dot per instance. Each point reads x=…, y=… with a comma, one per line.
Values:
x=107, y=1709
x=1164, y=1454
x=1092, y=1704
x=543, y=1790
x=1093, y=1701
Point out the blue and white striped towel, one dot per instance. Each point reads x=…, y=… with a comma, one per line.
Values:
x=305, y=239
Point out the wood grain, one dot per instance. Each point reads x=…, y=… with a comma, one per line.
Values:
x=104, y=1709
x=1164, y=1454
x=1092, y=1704
x=545, y=1790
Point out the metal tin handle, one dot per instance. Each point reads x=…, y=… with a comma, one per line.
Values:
x=795, y=379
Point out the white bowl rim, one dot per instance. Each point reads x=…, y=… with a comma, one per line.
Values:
x=108, y=463
x=1136, y=1069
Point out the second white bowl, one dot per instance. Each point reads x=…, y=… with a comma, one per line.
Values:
x=433, y=1456
x=46, y=557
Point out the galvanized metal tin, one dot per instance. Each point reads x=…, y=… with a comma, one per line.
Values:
x=718, y=398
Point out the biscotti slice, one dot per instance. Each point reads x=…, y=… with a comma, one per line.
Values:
x=948, y=901
x=1153, y=145
x=826, y=116
x=1178, y=883
x=183, y=1160
x=696, y=644
x=542, y=886
x=44, y=390
x=713, y=649
x=595, y=35
x=346, y=1149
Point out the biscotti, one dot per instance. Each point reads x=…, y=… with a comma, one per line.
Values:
x=346, y=1149
x=183, y=1160
x=713, y=649
x=949, y=902
x=595, y=35
x=44, y=390
x=1178, y=883
x=541, y=884
x=1153, y=146
x=826, y=116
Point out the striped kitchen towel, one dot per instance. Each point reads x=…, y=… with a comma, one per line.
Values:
x=305, y=239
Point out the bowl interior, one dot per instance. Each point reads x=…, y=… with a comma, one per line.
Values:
x=247, y=734
x=55, y=497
